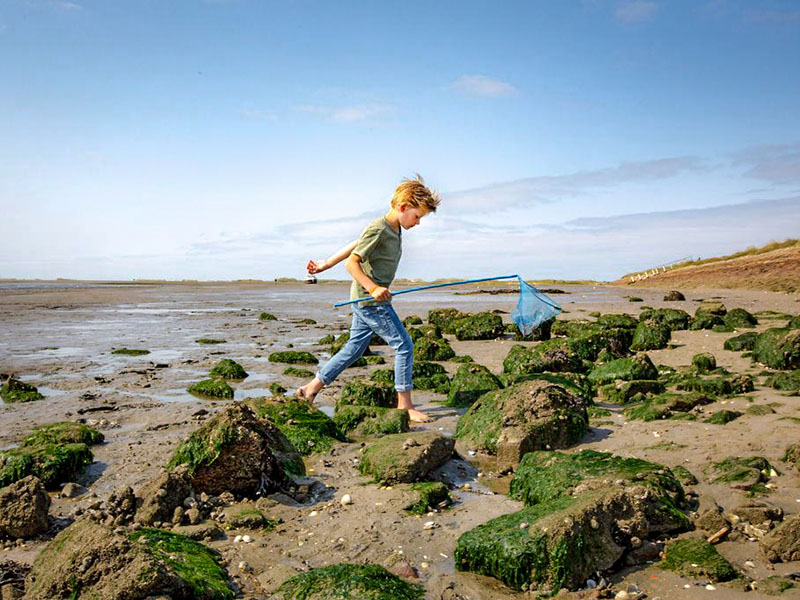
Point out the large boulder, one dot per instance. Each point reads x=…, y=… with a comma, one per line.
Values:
x=405, y=457
x=586, y=339
x=740, y=343
x=782, y=544
x=23, y=509
x=666, y=405
x=480, y=326
x=778, y=348
x=444, y=318
x=674, y=296
x=739, y=318
x=433, y=349
x=160, y=496
x=704, y=362
x=469, y=383
x=622, y=392
x=650, y=335
x=528, y=416
x=626, y=369
x=554, y=356
x=674, y=318
x=88, y=560
x=367, y=392
x=237, y=452
x=308, y=429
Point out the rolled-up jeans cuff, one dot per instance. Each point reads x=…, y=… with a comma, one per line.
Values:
x=403, y=388
x=322, y=379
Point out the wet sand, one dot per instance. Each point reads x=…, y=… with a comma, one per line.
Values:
x=61, y=339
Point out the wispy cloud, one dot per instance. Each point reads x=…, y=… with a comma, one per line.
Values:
x=258, y=115
x=480, y=85
x=635, y=11
x=776, y=163
x=370, y=112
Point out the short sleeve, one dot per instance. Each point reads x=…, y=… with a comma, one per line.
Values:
x=367, y=242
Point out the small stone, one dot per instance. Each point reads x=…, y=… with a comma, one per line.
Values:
x=430, y=525
x=194, y=516
x=247, y=539
x=424, y=565
x=237, y=539
x=710, y=587
x=622, y=595
x=591, y=583
x=72, y=490
x=594, y=524
x=346, y=499
x=523, y=525
x=749, y=564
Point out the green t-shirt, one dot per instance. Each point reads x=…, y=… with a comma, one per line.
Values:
x=380, y=248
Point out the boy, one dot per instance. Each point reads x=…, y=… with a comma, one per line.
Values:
x=372, y=262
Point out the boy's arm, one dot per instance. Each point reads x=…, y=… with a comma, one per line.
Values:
x=353, y=265
x=317, y=266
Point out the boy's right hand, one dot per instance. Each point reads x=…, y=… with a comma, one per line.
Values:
x=316, y=266
x=381, y=293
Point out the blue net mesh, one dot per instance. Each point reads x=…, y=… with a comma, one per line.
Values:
x=533, y=308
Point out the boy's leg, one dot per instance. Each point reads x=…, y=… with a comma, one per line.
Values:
x=360, y=335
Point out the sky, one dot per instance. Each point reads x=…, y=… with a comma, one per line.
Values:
x=235, y=139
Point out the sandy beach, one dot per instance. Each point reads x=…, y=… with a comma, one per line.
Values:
x=59, y=337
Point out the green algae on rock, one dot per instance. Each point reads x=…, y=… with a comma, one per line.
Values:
x=480, y=326
x=744, y=473
x=374, y=360
x=405, y=457
x=433, y=349
x=778, y=348
x=650, y=335
x=211, y=388
x=429, y=495
x=722, y=385
x=627, y=369
x=527, y=416
x=293, y=357
x=235, y=451
x=248, y=517
x=549, y=356
x=88, y=560
x=684, y=475
x=695, y=557
x=786, y=382
x=622, y=392
x=412, y=320
x=469, y=383
x=723, y=417
x=674, y=318
x=367, y=392
x=306, y=427
x=210, y=341
x=347, y=581
x=131, y=351
x=370, y=420
x=666, y=405
x=228, y=369
x=740, y=343
x=425, y=331
x=15, y=390
x=276, y=389
x=265, y=316
x=295, y=372
x=63, y=432
x=444, y=318
x=739, y=318
x=774, y=585
x=704, y=362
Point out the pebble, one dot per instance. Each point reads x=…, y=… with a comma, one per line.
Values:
x=247, y=539
x=430, y=525
x=749, y=564
x=591, y=583
x=710, y=587
x=622, y=595
x=424, y=565
x=346, y=499
x=313, y=513
x=237, y=539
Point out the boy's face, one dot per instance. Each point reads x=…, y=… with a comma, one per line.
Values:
x=410, y=216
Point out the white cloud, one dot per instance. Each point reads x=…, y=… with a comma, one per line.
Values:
x=356, y=113
x=254, y=114
x=635, y=11
x=480, y=85
x=776, y=163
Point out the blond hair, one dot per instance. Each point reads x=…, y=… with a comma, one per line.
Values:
x=414, y=193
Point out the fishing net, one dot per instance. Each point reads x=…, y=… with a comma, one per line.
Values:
x=533, y=308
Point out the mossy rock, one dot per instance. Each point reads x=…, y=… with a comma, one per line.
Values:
x=326, y=340
x=444, y=318
x=293, y=357
x=704, y=362
x=308, y=429
x=786, y=382
x=778, y=348
x=695, y=557
x=295, y=372
x=622, y=392
x=721, y=329
x=362, y=421
x=211, y=388
x=674, y=318
x=383, y=375
x=711, y=307
x=721, y=385
x=51, y=463
x=62, y=432
x=541, y=333
x=774, y=585
x=480, y=326
x=248, y=517
x=87, y=560
x=338, y=343
x=554, y=356
x=674, y=296
x=425, y=331
x=228, y=369
x=740, y=343
x=545, y=476
x=237, y=452
x=276, y=389
x=684, y=475
x=405, y=457
x=650, y=335
x=464, y=358
x=346, y=581
x=210, y=341
x=412, y=320
x=792, y=455
x=367, y=392
x=706, y=321
x=15, y=390
x=307, y=322
x=614, y=320
x=576, y=384
x=626, y=369
x=131, y=351
x=561, y=543
x=429, y=495
x=744, y=473
x=723, y=417
x=432, y=349
x=634, y=299
x=667, y=405
x=588, y=339
x=739, y=318
x=265, y=316
x=374, y=360
x=527, y=416
x=794, y=323
x=759, y=410
x=469, y=383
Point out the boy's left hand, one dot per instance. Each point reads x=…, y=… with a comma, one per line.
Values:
x=316, y=266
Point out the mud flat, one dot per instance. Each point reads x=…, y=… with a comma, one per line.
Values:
x=62, y=340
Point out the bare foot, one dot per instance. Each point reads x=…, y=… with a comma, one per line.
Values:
x=418, y=416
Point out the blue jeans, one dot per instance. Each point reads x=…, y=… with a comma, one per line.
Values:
x=380, y=319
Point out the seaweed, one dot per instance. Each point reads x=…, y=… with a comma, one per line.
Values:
x=778, y=348
x=430, y=495
x=370, y=420
x=740, y=343
x=723, y=417
x=704, y=362
x=131, y=351
x=210, y=341
x=638, y=367
x=343, y=581
x=433, y=349
x=469, y=383
x=650, y=335
x=211, y=388
x=480, y=326
x=63, y=432
x=265, y=316
x=307, y=428
x=695, y=557
x=294, y=357
x=228, y=369
x=15, y=390
x=366, y=392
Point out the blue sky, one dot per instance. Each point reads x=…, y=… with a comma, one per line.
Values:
x=225, y=139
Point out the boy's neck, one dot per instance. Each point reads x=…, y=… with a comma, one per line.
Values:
x=393, y=219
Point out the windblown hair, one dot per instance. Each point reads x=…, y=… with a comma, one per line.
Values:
x=414, y=193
